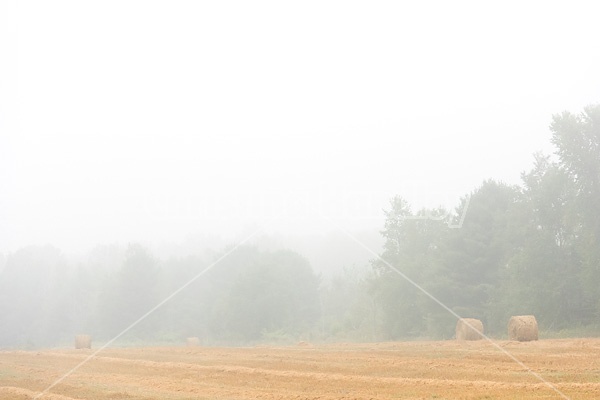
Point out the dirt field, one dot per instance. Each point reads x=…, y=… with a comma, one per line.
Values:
x=408, y=370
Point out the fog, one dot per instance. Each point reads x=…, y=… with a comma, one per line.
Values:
x=152, y=121
x=187, y=127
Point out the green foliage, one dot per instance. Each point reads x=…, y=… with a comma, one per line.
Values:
x=411, y=251
x=520, y=250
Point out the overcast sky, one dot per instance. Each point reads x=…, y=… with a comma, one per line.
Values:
x=147, y=120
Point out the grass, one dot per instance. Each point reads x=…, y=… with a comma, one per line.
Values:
x=589, y=331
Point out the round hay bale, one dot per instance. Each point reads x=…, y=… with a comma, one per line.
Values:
x=523, y=328
x=192, y=342
x=83, y=342
x=469, y=329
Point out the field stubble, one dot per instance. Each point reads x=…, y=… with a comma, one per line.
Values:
x=395, y=370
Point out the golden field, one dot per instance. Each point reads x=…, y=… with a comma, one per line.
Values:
x=394, y=370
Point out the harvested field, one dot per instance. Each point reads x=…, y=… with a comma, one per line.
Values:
x=406, y=370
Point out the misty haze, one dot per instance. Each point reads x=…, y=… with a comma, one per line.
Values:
x=317, y=200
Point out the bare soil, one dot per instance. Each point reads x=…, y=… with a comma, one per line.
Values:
x=404, y=370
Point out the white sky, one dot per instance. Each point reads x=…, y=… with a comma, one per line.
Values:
x=147, y=120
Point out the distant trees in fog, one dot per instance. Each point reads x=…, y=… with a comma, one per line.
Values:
x=250, y=296
x=505, y=250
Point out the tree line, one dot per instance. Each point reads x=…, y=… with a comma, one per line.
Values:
x=252, y=295
x=532, y=248
x=504, y=250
